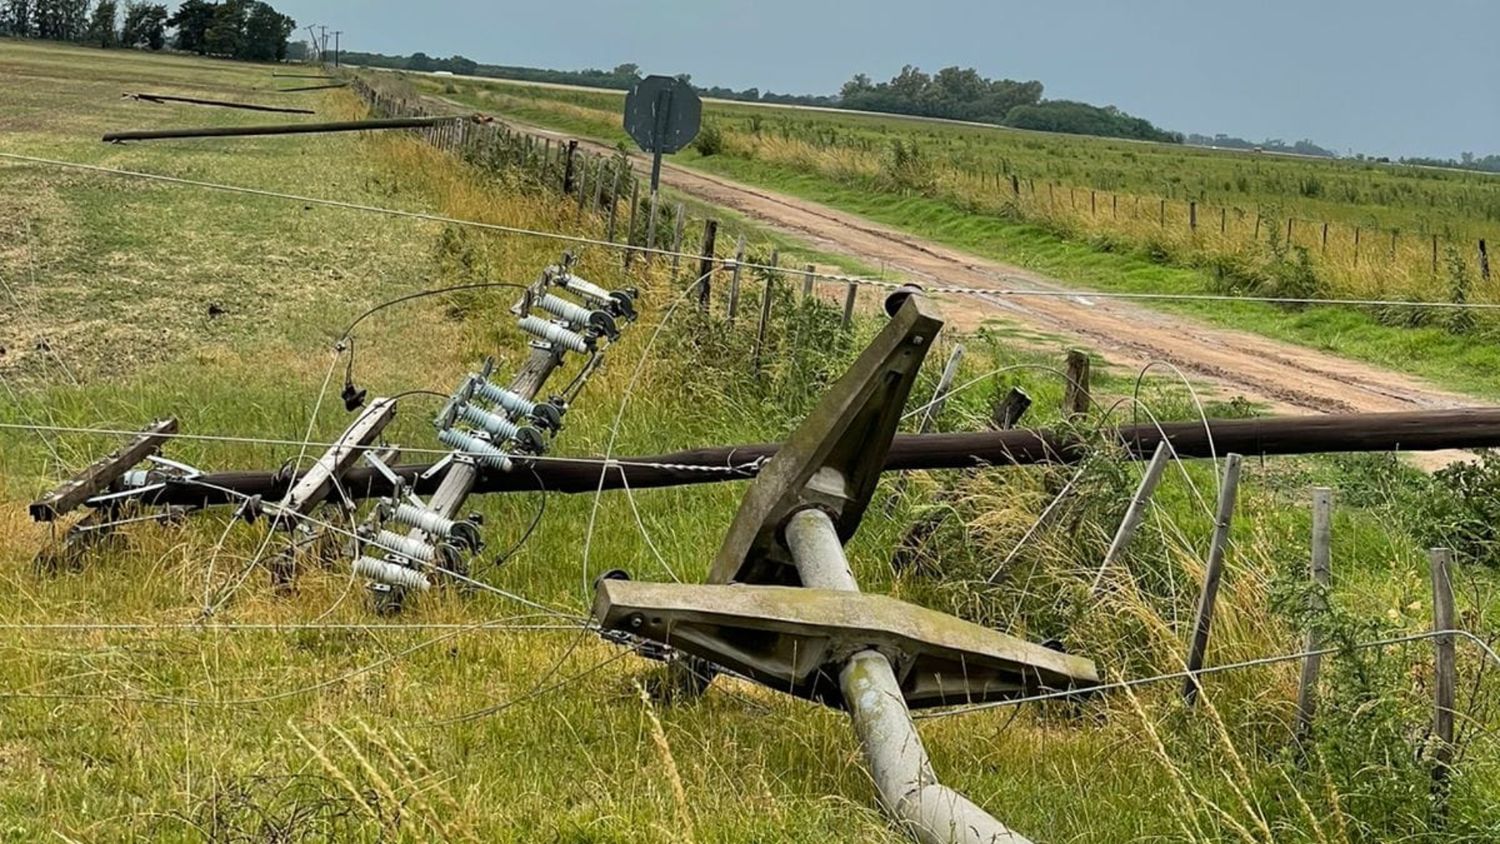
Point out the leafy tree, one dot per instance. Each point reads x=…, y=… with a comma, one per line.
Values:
x=264, y=34
x=17, y=18
x=102, y=24
x=419, y=62
x=192, y=20
x=60, y=20
x=145, y=25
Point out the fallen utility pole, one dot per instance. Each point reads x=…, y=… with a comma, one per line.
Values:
x=279, y=129
x=312, y=88
x=1429, y=430
x=302, y=75
x=165, y=98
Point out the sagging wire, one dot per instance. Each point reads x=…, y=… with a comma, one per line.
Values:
x=354, y=397
x=966, y=709
x=194, y=702
x=837, y=277
x=614, y=431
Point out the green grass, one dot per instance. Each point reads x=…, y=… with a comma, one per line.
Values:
x=340, y=756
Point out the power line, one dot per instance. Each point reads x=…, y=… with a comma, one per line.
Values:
x=839, y=277
x=1216, y=669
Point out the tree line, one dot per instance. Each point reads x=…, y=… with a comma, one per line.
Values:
x=239, y=29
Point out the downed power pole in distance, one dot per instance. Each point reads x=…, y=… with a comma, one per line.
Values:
x=165, y=98
x=279, y=129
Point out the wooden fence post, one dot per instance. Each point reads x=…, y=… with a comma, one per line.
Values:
x=614, y=202
x=1484, y=261
x=1445, y=679
x=1223, y=220
x=1317, y=607
x=706, y=263
x=677, y=229
x=1193, y=215
x=546, y=159
x=1076, y=388
x=635, y=206
x=602, y=163
x=1015, y=184
x=1162, y=217
x=1325, y=235
x=1288, y=231
x=568, y=166
x=1434, y=253
x=583, y=185
x=765, y=312
x=1134, y=513
x=849, y=296
x=807, y=281
x=734, y=279
x=1114, y=206
x=1356, y=246
x=651, y=226
x=1093, y=204
x=1211, y=576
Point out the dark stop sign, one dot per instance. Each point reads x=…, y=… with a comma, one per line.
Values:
x=662, y=114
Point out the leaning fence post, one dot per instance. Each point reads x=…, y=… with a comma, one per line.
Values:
x=849, y=297
x=1134, y=513
x=1484, y=260
x=734, y=279
x=765, y=311
x=1444, y=677
x=1317, y=606
x=1076, y=390
x=614, y=203
x=651, y=226
x=679, y=224
x=1211, y=576
x=706, y=263
x=635, y=205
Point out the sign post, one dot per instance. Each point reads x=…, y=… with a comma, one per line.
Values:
x=662, y=114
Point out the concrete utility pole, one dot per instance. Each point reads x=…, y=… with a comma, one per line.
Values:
x=336, y=34
x=323, y=41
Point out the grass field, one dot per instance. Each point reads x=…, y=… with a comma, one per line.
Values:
x=396, y=729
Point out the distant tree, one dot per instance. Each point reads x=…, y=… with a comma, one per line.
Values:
x=627, y=71
x=192, y=20
x=462, y=66
x=145, y=25
x=102, y=24
x=18, y=18
x=264, y=34
x=419, y=62
x=60, y=20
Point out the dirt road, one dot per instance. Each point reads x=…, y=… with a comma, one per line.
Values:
x=1288, y=378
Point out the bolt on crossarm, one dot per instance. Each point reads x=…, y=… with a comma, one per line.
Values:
x=909, y=789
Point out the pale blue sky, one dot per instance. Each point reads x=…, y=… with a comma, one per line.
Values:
x=1378, y=76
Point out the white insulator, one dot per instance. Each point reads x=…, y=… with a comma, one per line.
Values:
x=384, y=571
x=497, y=427
x=426, y=520
x=585, y=288
x=554, y=334
x=405, y=546
x=475, y=448
x=566, y=311
x=491, y=392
